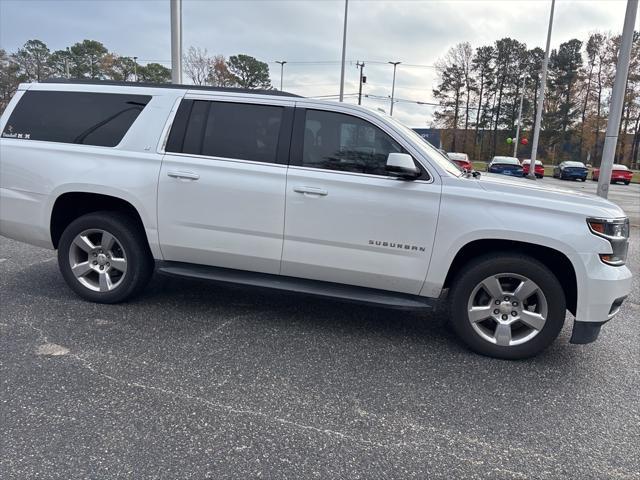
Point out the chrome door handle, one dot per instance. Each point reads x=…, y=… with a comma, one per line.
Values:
x=184, y=175
x=311, y=191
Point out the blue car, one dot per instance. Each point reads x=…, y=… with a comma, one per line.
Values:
x=571, y=171
x=506, y=166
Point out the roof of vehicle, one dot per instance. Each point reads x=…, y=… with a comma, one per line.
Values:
x=528, y=161
x=574, y=164
x=85, y=81
x=618, y=166
x=457, y=156
x=505, y=160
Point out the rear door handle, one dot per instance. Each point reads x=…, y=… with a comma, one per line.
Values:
x=311, y=191
x=184, y=175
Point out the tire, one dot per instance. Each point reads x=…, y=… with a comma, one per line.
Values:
x=488, y=335
x=627, y=182
x=117, y=267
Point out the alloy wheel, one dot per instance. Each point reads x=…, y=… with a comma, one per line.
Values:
x=507, y=309
x=98, y=260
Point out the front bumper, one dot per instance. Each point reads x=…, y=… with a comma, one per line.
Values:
x=601, y=291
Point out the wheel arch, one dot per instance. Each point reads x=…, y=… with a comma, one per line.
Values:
x=555, y=260
x=71, y=205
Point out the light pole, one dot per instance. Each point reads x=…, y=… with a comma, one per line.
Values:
x=515, y=146
x=543, y=82
x=281, y=71
x=344, y=49
x=617, y=99
x=135, y=69
x=393, y=86
x=176, y=41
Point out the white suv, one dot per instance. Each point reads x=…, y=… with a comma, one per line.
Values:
x=274, y=190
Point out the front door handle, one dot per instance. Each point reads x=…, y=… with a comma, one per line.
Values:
x=184, y=175
x=311, y=191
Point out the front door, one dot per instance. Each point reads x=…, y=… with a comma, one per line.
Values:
x=347, y=220
x=221, y=190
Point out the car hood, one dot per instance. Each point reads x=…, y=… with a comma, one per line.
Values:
x=535, y=194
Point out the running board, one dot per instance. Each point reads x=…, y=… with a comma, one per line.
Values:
x=298, y=285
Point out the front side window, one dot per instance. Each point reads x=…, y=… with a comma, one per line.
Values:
x=230, y=130
x=335, y=141
x=87, y=118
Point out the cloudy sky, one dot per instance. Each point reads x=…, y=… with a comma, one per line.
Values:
x=308, y=35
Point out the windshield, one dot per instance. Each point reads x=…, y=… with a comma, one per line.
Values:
x=427, y=149
x=506, y=160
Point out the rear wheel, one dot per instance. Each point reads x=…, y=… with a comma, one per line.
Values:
x=507, y=306
x=104, y=257
x=627, y=182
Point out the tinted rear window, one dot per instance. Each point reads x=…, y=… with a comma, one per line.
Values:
x=100, y=119
x=229, y=130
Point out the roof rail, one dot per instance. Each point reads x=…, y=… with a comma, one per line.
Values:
x=85, y=81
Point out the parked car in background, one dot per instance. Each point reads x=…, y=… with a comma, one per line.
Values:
x=620, y=173
x=571, y=171
x=461, y=159
x=506, y=166
x=538, y=170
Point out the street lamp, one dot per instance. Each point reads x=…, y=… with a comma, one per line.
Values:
x=135, y=68
x=393, y=86
x=344, y=49
x=515, y=146
x=543, y=82
x=281, y=71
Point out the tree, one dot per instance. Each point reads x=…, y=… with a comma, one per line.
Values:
x=86, y=59
x=249, y=72
x=59, y=62
x=197, y=65
x=121, y=69
x=154, y=73
x=482, y=67
x=9, y=79
x=32, y=60
x=219, y=75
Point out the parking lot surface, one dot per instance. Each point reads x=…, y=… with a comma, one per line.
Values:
x=196, y=381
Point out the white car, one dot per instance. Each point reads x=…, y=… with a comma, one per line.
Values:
x=274, y=190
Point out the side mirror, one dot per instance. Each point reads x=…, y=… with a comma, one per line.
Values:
x=401, y=165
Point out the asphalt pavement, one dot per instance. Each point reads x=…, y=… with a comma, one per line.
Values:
x=198, y=381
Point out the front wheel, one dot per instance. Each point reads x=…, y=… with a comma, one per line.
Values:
x=104, y=257
x=507, y=306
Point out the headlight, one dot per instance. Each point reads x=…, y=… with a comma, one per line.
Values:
x=616, y=231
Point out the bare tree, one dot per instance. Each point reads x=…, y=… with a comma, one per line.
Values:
x=198, y=65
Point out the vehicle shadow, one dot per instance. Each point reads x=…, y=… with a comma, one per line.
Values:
x=203, y=306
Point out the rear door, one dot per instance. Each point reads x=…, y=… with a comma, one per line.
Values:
x=222, y=184
x=347, y=220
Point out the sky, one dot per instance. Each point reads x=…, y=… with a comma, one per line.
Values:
x=308, y=35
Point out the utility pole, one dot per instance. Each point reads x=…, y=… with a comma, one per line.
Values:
x=515, y=146
x=344, y=49
x=281, y=71
x=176, y=41
x=393, y=86
x=617, y=99
x=135, y=69
x=361, y=66
x=66, y=63
x=543, y=83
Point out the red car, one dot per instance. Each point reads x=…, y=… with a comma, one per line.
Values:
x=538, y=171
x=461, y=159
x=620, y=173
